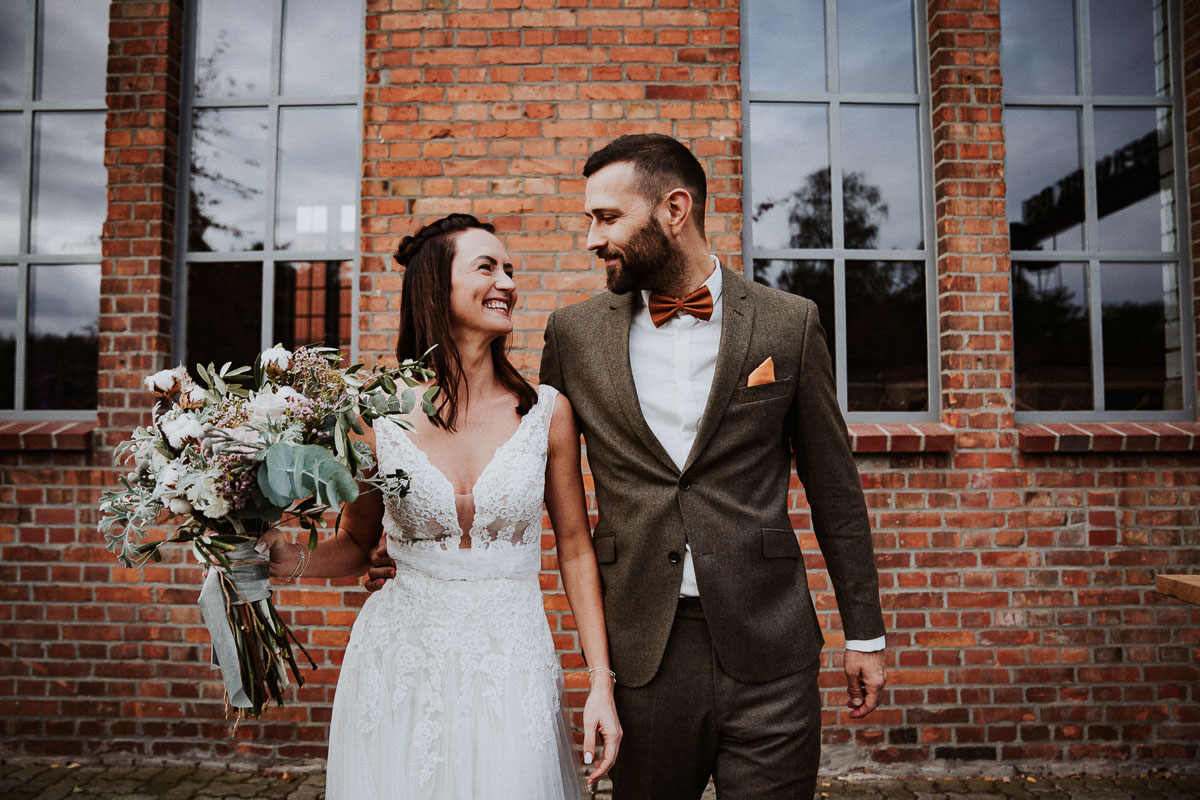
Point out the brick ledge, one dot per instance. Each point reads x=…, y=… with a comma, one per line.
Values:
x=1093, y=437
x=901, y=437
x=29, y=434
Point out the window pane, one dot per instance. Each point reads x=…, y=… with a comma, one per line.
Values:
x=1129, y=50
x=319, y=154
x=10, y=182
x=1051, y=336
x=312, y=304
x=811, y=279
x=224, y=313
x=68, y=183
x=1134, y=176
x=789, y=176
x=1045, y=183
x=321, y=48
x=61, y=351
x=1142, y=345
x=1037, y=46
x=787, y=51
x=14, y=24
x=881, y=179
x=73, y=49
x=886, y=363
x=233, y=48
x=8, y=335
x=875, y=46
x=229, y=177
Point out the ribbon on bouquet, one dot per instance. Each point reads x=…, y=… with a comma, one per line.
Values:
x=246, y=581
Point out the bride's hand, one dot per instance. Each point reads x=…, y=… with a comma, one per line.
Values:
x=284, y=555
x=600, y=714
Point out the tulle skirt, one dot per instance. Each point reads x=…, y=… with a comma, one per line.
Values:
x=451, y=690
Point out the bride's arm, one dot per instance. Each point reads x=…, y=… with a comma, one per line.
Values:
x=581, y=580
x=339, y=555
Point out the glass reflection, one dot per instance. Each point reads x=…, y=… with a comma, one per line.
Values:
x=10, y=182
x=61, y=351
x=72, y=49
x=1135, y=198
x=233, y=48
x=886, y=361
x=8, y=336
x=1045, y=182
x=1143, y=357
x=321, y=48
x=14, y=23
x=68, y=182
x=312, y=304
x=881, y=180
x=875, y=46
x=1129, y=47
x=1051, y=336
x=786, y=45
x=811, y=279
x=1037, y=46
x=319, y=156
x=789, y=176
x=224, y=313
x=228, y=179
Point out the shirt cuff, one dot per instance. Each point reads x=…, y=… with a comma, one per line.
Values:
x=866, y=645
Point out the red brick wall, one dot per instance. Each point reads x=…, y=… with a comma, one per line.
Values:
x=1017, y=586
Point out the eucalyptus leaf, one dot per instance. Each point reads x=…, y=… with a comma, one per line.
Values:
x=297, y=471
x=407, y=401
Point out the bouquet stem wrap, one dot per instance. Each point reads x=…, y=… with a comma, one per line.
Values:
x=250, y=641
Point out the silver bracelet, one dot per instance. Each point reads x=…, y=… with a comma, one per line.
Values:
x=594, y=670
x=301, y=562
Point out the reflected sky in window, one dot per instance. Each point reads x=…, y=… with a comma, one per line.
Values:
x=789, y=175
x=8, y=334
x=881, y=180
x=875, y=46
x=69, y=182
x=64, y=312
x=1128, y=47
x=1045, y=185
x=787, y=52
x=10, y=182
x=233, y=49
x=1037, y=46
x=229, y=178
x=73, y=49
x=13, y=28
x=319, y=153
x=1134, y=179
x=321, y=48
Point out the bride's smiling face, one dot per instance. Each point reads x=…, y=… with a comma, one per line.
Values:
x=482, y=292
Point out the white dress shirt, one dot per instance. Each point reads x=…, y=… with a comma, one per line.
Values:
x=673, y=369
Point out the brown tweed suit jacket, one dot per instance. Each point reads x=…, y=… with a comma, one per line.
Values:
x=729, y=502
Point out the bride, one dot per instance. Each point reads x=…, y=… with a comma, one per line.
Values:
x=451, y=686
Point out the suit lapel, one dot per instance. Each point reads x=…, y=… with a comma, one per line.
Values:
x=737, y=318
x=615, y=347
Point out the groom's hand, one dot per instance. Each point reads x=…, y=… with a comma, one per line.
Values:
x=382, y=567
x=865, y=678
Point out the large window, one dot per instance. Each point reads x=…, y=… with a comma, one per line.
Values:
x=274, y=154
x=837, y=187
x=53, y=62
x=1099, y=278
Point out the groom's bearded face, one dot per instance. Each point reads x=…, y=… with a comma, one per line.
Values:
x=649, y=260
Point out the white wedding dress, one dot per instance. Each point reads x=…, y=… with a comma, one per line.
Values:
x=450, y=688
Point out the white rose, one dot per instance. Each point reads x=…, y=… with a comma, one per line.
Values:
x=276, y=360
x=216, y=507
x=269, y=404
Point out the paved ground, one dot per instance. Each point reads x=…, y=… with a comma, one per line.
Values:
x=54, y=782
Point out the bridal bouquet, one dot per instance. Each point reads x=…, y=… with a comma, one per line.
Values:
x=252, y=448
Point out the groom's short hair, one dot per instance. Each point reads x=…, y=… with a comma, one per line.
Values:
x=660, y=164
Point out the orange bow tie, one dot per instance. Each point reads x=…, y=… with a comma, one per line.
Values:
x=662, y=307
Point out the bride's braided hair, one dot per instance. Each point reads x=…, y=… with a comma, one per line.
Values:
x=427, y=257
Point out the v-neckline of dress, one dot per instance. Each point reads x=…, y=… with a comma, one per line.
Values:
x=474, y=486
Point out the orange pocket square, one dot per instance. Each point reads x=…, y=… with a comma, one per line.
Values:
x=763, y=373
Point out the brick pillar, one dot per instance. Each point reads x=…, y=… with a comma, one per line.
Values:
x=141, y=152
x=974, y=315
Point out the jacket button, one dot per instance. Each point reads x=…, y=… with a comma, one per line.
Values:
x=673, y=557
x=685, y=484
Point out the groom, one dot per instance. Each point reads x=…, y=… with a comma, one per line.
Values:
x=694, y=390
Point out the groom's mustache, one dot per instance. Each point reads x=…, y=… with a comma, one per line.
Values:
x=609, y=253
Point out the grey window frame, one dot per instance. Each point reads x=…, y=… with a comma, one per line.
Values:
x=838, y=254
x=28, y=107
x=274, y=101
x=1085, y=103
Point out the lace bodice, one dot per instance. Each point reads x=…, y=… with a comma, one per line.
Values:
x=507, y=495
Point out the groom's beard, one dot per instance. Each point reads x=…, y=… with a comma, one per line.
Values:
x=649, y=261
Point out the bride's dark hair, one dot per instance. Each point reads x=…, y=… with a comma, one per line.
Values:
x=425, y=316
